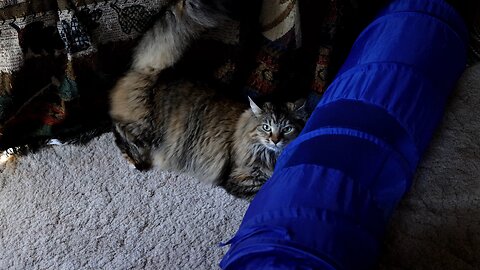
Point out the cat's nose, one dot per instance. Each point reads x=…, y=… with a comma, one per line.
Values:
x=275, y=140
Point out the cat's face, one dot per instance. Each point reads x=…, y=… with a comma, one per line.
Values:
x=279, y=124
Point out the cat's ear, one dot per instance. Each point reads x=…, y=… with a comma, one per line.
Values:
x=299, y=109
x=268, y=106
x=301, y=104
x=297, y=106
x=255, y=109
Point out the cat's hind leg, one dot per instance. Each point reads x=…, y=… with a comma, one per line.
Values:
x=133, y=150
x=130, y=110
x=131, y=98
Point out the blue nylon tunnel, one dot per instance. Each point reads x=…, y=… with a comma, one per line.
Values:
x=335, y=187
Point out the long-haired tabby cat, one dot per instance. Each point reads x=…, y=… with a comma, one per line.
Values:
x=189, y=128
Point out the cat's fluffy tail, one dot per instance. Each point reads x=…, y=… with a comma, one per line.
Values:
x=163, y=45
x=160, y=48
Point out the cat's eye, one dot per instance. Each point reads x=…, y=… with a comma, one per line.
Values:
x=266, y=127
x=287, y=129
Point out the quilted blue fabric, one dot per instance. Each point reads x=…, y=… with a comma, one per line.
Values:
x=334, y=188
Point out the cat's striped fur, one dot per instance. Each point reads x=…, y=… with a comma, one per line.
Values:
x=189, y=128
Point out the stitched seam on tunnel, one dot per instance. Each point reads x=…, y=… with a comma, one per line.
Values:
x=429, y=15
x=328, y=131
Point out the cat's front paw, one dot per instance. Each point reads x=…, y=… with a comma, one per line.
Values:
x=243, y=186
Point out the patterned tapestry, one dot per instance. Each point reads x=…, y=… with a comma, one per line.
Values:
x=59, y=58
x=57, y=61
